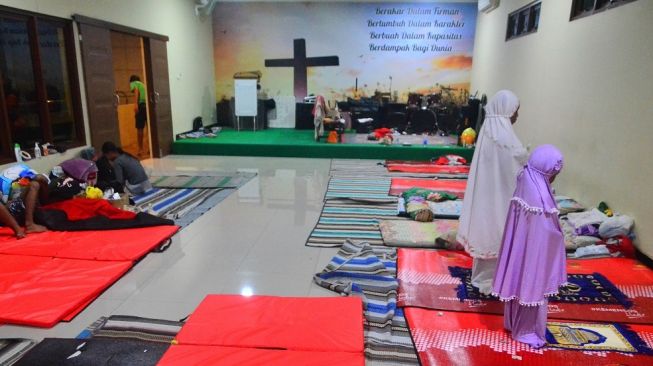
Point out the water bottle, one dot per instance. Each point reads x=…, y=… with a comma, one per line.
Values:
x=37, y=150
x=17, y=152
x=425, y=141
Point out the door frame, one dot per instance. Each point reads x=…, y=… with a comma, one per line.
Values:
x=118, y=27
x=146, y=36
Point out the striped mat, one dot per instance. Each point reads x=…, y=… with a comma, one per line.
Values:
x=12, y=349
x=234, y=180
x=370, y=273
x=181, y=205
x=356, y=167
x=133, y=328
x=360, y=189
x=343, y=219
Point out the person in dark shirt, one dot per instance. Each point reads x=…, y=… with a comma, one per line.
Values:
x=127, y=169
x=106, y=177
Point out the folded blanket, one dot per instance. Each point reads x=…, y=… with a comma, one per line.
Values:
x=85, y=214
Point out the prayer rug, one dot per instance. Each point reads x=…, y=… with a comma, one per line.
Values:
x=409, y=233
x=12, y=349
x=426, y=167
x=41, y=291
x=233, y=180
x=582, y=289
x=134, y=328
x=425, y=281
x=369, y=272
x=96, y=352
x=346, y=219
x=360, y=189
x=472, y=339
x=453, y=186
x=377, y=168
x=181, y=205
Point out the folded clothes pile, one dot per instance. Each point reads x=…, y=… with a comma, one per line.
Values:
x=594, y=232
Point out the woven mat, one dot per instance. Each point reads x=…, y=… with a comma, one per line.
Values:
x=234, y=180
x=181, y=205
x=345, y=219
x=360, y=189
x=370, y=273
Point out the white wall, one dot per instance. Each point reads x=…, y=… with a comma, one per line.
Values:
x=190, y=49
x=585, y=86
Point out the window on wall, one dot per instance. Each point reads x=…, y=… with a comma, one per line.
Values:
x=523, y=21
x=39, y=97
x=583, y=8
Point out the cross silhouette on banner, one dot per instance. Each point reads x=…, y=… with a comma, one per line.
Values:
x=300, y=63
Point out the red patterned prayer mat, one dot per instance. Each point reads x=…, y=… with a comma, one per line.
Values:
x=425, y=281
x=425, y=167
x=470, y=339
x=453, y=186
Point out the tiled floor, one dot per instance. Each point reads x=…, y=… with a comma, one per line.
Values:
x=252, y=242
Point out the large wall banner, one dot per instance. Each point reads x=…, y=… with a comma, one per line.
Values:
x=342, y=49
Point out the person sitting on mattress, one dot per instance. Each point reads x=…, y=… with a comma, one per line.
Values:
x=22, y=190
x=497, y=159
x=532, y=261
x=127, y=169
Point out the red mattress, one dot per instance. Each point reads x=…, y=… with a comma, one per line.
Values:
x=179, y=355
x=425, y=281
x=473, y=339
x=292, y=323
x=425, y=167
x=41, y=291
x=105, y=245
x=453, y=186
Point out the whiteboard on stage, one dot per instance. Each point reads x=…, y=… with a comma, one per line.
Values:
x=245, y=95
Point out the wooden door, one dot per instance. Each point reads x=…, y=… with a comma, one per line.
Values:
x=156, y=59
x=100, y=86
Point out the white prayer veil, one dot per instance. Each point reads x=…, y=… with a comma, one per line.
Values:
x=497, y=123
x=498, y=157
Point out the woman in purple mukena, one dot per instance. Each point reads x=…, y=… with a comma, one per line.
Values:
x=531, y=263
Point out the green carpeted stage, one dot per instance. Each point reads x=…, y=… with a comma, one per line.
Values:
x=286, y=142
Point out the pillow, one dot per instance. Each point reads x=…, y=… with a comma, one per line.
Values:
x=568, y=204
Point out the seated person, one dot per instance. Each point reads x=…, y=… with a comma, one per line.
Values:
x=321, y=118
x=128, y=170
x=106, y=176
x=22, y=190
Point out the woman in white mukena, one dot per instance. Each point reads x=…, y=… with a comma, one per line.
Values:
x=498, y=157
